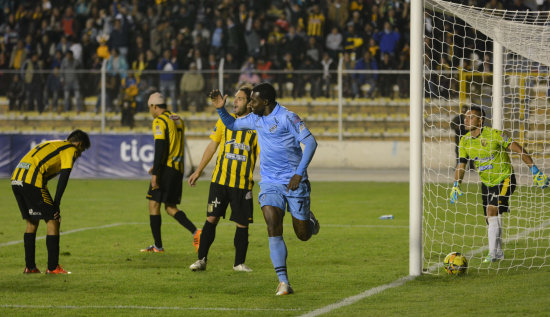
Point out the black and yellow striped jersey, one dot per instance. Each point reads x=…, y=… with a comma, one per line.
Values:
x=169, y=126
x=45, y=161
x=237, y=156
x=315, y=24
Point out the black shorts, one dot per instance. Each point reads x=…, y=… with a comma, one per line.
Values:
x=498, y=195
x=34, y=203
x=240, y=199
x=170, y=186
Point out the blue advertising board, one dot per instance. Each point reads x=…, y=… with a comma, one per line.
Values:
x=110, y=155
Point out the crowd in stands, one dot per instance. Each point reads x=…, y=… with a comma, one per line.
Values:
x=58, y=46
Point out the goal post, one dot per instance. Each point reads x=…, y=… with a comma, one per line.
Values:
x=416, y=138
x=498, y=60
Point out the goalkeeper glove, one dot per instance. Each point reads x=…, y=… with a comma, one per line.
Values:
x=539, y=179
x=455, y=192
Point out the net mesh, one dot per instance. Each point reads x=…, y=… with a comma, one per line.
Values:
x=458, y=72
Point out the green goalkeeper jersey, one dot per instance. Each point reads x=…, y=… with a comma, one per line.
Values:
x=490, y=154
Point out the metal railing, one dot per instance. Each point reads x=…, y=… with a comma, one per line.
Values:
x=50, y=87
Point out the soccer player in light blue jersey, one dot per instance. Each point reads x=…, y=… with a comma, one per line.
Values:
x=283, y=168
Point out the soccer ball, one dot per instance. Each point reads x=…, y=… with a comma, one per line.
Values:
x=455, y=263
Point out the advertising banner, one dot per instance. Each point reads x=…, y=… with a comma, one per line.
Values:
x=110, y=155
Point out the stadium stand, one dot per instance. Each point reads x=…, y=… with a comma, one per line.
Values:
x=150, y=45
x=143, y=41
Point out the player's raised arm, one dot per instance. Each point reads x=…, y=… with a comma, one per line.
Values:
x=539, y=178
x=230, y=122
x=218, y=100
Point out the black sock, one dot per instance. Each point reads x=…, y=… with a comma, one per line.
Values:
x=207, y=238
x=155, y=221
x=52, y=243
x=184, y=221
x=29, y=240
x=241, y=245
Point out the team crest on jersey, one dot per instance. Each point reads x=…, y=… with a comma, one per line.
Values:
x=483, y=142
x=273, y=128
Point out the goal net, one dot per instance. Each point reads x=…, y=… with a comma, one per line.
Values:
x=461, y=69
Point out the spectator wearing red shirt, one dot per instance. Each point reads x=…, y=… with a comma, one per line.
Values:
x=68, y=23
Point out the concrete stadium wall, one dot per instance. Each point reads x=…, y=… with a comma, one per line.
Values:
x=360, y=154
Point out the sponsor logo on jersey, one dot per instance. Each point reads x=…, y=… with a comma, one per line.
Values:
x=237, y=157
x=17, y=183
x=24, y=165
x=273, y=128
x=484, y=159
x=248, y=195
x=158, y=130
x=486, y=167
x=239, y=146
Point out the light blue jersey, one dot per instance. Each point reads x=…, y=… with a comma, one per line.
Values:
x=279, y=137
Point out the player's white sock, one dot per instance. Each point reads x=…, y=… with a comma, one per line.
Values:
x=493, y=235
x=500, y=252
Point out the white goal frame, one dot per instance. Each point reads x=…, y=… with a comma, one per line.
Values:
x=416, y=182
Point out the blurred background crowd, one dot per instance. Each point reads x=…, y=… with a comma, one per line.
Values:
x=51, y=50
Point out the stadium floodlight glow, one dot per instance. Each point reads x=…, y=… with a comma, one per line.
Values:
x=498, y=60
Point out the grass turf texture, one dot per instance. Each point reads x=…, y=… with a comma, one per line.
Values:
x=354, y=252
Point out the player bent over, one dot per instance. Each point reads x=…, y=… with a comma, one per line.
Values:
x=283, y=168
x=489, y=150
x=231, y=182
x=167, y=171
x=29, y=184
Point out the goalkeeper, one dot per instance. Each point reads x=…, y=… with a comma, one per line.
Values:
x=489, y=150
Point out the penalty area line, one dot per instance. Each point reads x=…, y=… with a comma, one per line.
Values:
x=352, y=299
x=397, y=283
x=121, y=307
x=5, y=244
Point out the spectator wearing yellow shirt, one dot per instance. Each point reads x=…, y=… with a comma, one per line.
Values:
x=18, y=55
x=315, y=22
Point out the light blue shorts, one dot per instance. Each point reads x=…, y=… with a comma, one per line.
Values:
x=297, y=201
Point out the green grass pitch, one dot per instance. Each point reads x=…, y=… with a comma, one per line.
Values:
x=105, y=223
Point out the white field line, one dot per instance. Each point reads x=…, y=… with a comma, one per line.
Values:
x=373, y=291
x=345, y=302
x=5, y=244
x=73, y=231
x=146, y=308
